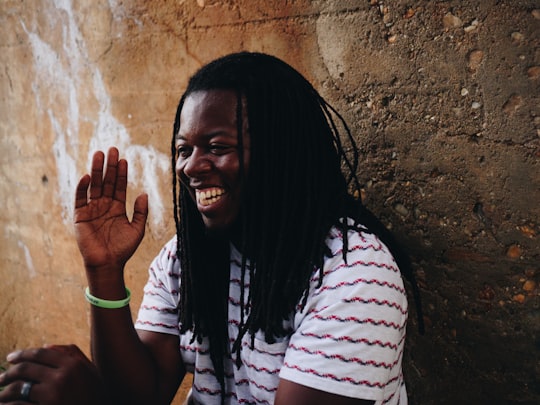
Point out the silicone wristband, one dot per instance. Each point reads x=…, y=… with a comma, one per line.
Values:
x=98, y=302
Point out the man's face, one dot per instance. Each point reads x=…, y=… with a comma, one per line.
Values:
x=208, y=156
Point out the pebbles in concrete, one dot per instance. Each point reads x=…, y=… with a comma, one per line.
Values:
x=451, y=21
x=512, y=104
x=475, y=59
x=514, y=252
x=533, y=72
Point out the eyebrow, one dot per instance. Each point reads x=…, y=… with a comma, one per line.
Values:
x=209, y=135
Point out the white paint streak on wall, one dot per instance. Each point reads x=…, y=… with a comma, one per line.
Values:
x=28, y=259
x=59, y=88
x=49, y=69
x=109, y=131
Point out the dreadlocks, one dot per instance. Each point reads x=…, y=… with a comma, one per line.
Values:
x=295, y=191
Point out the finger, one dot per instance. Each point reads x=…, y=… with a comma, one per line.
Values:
x=81, y=193
x=71, y=350
x=109, y=181
x=121, y=181
x=140, y=212
x=26, y=371
x=12, y=394
x=97, y=175
x=43, y=356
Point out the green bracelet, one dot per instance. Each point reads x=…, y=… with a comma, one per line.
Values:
x=98, y=302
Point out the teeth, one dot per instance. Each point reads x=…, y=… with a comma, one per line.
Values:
x=210, y=196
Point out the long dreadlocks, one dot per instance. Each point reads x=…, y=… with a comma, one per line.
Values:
x=295, y=191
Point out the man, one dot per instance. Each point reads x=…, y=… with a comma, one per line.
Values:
x=279, y=287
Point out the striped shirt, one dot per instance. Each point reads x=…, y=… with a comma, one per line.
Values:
x=348, y=339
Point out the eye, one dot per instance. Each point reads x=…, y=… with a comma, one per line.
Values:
x=183, y=151
x=219, y=149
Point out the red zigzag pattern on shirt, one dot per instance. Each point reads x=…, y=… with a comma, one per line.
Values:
x=377, y=302
x=359, y=281
x=344, y=359
x=351, y=340
x=340, y=379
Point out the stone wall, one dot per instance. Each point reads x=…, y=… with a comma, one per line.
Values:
x=442, y=97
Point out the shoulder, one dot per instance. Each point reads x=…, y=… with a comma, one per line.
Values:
x=165, y=264
x=360, y=249
x=358, y=272
x=169, y=249
x=168, y=252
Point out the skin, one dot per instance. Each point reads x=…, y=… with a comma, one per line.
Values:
x=208, y=155
x=207, y=147
x=59, y=374
x=142, y=367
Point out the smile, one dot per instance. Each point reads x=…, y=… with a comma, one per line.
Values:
x=208, y=196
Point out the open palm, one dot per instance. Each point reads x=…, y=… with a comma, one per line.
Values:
x=105, y=235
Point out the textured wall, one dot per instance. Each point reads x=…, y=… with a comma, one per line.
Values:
x=442, y=97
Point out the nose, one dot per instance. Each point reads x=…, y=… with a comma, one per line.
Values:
x=195, y=165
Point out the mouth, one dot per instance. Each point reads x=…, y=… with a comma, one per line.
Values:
x=208, y=196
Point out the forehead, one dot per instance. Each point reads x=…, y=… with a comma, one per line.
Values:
x=208, y=110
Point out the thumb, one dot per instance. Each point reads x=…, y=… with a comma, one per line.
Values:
x=140, y=212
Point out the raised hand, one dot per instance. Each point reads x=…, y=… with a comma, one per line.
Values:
x=105, y=235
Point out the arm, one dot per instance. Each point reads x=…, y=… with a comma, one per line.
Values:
x=136, y=369
x=292, y=393
x=349, y=338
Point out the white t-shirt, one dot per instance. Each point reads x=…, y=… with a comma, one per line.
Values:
x=347, y=340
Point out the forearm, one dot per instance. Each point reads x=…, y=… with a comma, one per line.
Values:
x=107, y=239
x=126, y=364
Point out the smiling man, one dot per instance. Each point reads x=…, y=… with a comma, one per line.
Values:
x=208, y=161
x=279, y=286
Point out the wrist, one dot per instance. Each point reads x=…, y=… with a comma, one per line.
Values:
x=107, y=284
x=107, y=303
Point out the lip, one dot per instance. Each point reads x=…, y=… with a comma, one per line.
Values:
x=208, y=196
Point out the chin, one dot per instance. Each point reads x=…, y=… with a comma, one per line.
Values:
x=225, y=229
x=215, y=228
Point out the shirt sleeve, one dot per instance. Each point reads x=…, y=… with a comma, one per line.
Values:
x=349, y=337
x=159, y=308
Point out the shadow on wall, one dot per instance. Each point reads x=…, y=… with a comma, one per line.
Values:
x=481, y=344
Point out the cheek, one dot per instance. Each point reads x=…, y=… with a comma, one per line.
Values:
x=179, y=167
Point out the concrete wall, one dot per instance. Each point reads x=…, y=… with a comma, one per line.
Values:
x=442, y=97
